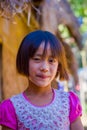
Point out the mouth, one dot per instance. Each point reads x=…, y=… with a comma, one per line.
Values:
x=43, y=76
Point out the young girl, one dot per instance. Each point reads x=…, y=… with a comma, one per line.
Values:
x=41, y=58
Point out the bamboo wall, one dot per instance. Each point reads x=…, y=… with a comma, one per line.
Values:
x=11, y=33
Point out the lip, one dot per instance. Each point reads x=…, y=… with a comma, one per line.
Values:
x=43, y=76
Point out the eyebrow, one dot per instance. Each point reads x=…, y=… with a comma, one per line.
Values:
x=38, y=55
x=41, y=55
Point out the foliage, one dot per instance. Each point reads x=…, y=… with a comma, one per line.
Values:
x=79, y=8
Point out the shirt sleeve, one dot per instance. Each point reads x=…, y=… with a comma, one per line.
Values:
x=7, y=115
x=75, y=107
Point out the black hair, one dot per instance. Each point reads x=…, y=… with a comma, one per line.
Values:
x=30, y=45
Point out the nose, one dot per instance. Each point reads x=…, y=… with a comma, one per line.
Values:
x=44, y=66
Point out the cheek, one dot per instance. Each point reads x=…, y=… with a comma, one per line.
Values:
x=54, y=69
x=32, y=68
x=31, y=72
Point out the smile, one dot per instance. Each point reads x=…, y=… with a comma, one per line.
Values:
x=43, y=76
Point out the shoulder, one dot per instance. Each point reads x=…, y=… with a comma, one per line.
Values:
x=63, y=97
x=75, y=106
x=5, y=104
x=8, y=104
x=62, y=93
x=73, y=95
x=18, y=100
x=7, y=114
x=74, y=100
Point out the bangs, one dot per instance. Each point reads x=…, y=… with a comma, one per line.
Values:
x=35, y=44
x=54, y=51
x=56, y=47
x=47, y=38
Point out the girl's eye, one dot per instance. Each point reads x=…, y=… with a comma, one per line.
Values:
x=52, y=60
x=36, y=58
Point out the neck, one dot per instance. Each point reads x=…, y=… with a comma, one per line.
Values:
x=33, y=89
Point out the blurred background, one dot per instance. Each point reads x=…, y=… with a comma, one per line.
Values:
x=67, y=19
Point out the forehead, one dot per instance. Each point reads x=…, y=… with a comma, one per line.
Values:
x=44, y=49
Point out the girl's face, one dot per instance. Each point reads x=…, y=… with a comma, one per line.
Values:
x=42, y=70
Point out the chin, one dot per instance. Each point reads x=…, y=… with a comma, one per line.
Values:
x=42, y=85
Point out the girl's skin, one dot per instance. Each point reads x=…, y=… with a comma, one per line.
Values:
x=42, y=71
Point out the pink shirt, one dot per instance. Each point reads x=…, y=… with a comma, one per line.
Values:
x=8, y=116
